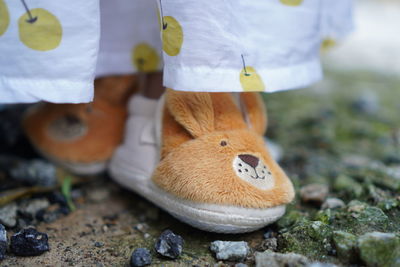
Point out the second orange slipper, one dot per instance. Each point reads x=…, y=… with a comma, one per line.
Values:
x=82, y=137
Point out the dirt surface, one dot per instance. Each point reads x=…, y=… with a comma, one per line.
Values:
x=109, y=224
x=343, y=134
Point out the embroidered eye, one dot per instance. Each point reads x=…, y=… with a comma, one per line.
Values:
x=223, y=143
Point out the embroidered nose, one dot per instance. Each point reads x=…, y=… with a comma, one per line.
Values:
x=249, y=159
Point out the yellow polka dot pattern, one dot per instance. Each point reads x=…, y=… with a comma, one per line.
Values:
x=4, y=17
x=145, y=58
x=172, y=36
x=42, y=32
x=327, y=44
x=250, y=80
x=291, y=2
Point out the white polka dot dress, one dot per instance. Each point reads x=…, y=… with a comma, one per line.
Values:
x=53, y=50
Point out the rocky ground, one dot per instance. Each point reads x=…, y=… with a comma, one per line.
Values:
x=341, y=147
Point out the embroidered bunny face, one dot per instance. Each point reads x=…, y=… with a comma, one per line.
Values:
x=253, y=170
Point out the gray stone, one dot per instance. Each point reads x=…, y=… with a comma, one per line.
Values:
x=240, y=265
x=345, y=244
x=230, y=250
x=3, y=242
x=319, y=230
x=379, y=249
x=348, y=185
x=333, y=203
x=268, y=234
x=367, y=215
x=273, y=259
x=321, y=264
x=356, y=161
x=367, y=102
x=33, y=206
x=98, y=194
x=314, y=193
x=269, y=243
x=35, y=172
x=98, y=244
x=140, y=257
x=221, y=264
x=169, y=244
x=8, y=215
x=29, y=242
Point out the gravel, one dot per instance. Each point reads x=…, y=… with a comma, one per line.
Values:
x=34, y=172
x=29, y=242
x=3, y=242
x=333, y=203
x=314, y=193
x=273, y=259
x=379, y=249
x=230, y=250
x=32, y=206
x=169, y=244
x=8, y=215
x=140, y=257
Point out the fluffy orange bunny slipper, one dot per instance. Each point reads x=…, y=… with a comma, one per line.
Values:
x=82, y=137
x=214, y=169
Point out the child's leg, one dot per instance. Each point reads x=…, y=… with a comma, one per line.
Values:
x=150, y=85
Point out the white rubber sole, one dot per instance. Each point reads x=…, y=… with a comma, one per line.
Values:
x=208, y=217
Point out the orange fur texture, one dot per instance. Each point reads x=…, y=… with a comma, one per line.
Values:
x=194, y=165
x=104, y=118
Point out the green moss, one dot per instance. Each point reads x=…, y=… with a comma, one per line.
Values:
x=379, y=249
x=360, y=218
x=316, y=234
x=347, y=185
x=345, y=245
x=291, y=217
x=326, y=216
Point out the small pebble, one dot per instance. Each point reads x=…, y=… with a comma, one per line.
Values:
x=268, y=234
x=269, y=243
x=29, y=242
x=8, y=215
x=34, y=172
x=98, y=194
x=98, y=244
x=379, y=249
x=169, y=244
x=230, y=250
x=141, y=227
x=367, y=102
x=321, y=264
x=333, y=203
x=314, y=193
x=273, y=259
x=3, y=242
x=140, y=257
x=50, y=214
x=33, y=206
x=146, y=235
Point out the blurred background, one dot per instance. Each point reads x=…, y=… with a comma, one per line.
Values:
x=375, y=43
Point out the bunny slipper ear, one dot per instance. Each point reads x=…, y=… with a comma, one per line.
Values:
x=194, y=111
x=255, y=111
x=227, y=114
x=122, y=88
